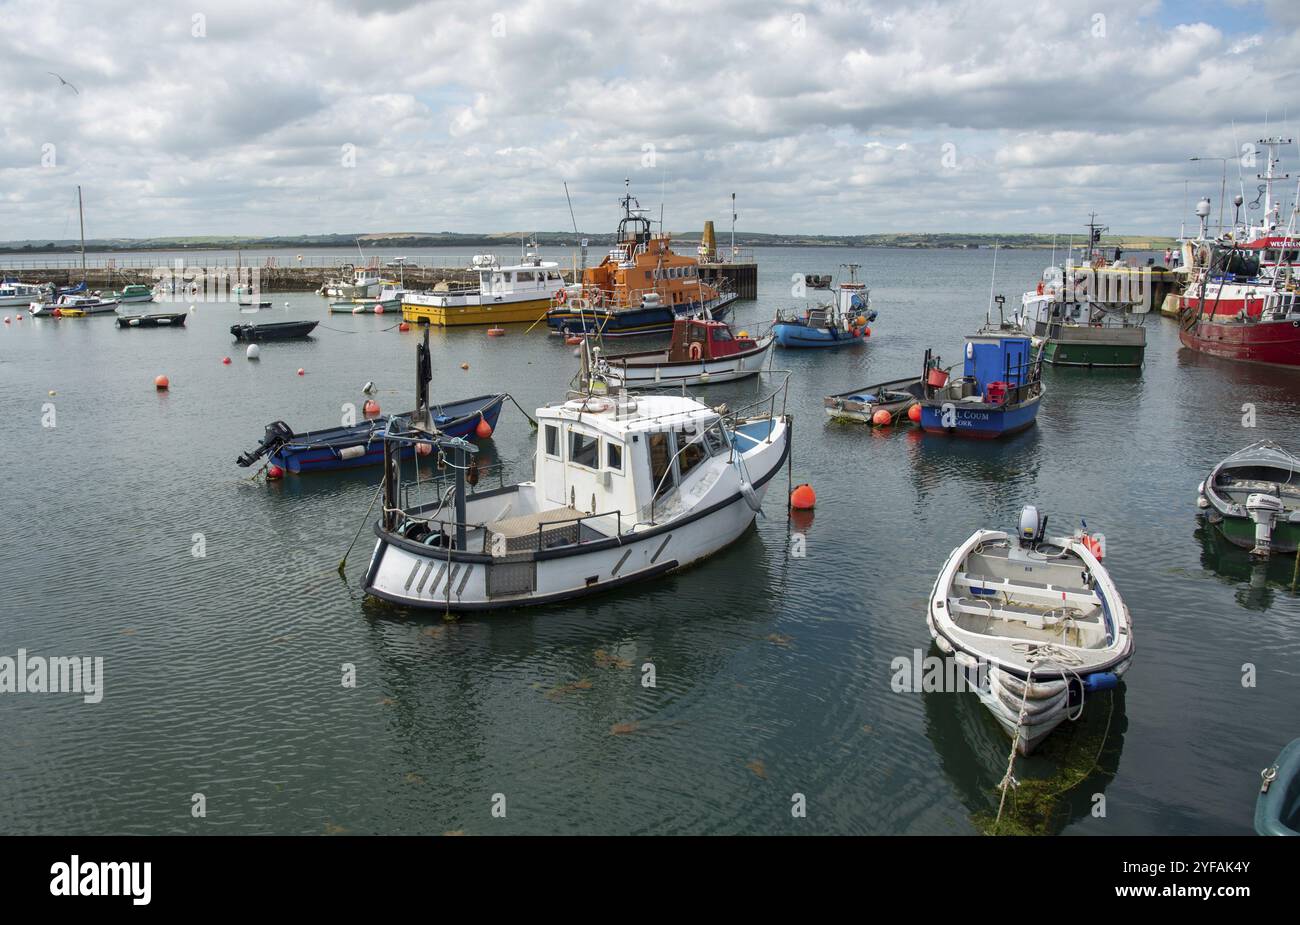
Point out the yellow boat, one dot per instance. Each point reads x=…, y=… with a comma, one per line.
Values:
x=517, y=293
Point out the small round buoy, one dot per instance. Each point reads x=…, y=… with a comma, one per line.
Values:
x=881, y=418
x=6, y=319
x=371, y=407
x=483, y=429
x=914, y=414
x=855, y=332
x=464, y=366
x=866, y=332
x=379, y=309
x=274, y=472
x=301, y=371
x=496, y=332
x=53, y=393
x=860, y=321
x=573, y=339
x=161, y=383
x=803, y=498
x=225, y=361
x=743, y=334
x=57, y=313
x=423, y=448
x=286, y=304
x=253, y=352
x=403, y=327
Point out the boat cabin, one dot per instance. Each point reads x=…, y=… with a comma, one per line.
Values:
x=697, y=339
x=998, y=369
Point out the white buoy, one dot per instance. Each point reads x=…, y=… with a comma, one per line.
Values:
x=253, y=352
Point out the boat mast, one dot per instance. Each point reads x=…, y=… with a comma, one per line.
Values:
x=81, y=217
x=1269, y=177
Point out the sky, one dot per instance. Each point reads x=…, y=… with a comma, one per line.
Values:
x=264, y=118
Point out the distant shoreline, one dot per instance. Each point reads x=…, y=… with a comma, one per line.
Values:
x=596, y=242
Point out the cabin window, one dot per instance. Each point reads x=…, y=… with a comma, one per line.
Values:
x=614, y=456
x=692, y=451
x=584, y=449
x=714, y=442
x=721, y=334
x=552, y=441
x=660, y=462
x=525, y=277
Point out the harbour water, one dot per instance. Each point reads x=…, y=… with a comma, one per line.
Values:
x=224, y=627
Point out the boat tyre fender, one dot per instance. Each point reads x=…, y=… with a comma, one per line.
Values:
x=751, y=498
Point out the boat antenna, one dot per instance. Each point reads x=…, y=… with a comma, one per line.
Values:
x=663, y=187
x=988, y=311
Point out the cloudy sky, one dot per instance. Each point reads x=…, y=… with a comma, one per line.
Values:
x=830, y=117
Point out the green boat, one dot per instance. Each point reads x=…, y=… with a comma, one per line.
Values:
x=1277, y=808
x=136, y=292
x=1253, y=499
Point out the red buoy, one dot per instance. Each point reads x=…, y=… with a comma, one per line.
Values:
x=274, y=472
x=803, y=498
x=301, y=371
x=881, y=417
x=914, y=414
x=371, y=407
x=866, y=332
x=379, y=309
x=423, y=448
x=161, y=383
x=57, y=313
x=225, y=361
x=484, y=429
x=573, y=339
x=403, y=327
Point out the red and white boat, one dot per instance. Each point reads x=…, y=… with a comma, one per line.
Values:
x=1241, y=300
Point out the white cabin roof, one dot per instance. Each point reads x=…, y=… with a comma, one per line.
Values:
x=640, y=413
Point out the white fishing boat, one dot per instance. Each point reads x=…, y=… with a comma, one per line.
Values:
x=20, y=295
x=1035, y=623
x=702, y=352
x=363, y=283
x=623, y=489
x=73, y=306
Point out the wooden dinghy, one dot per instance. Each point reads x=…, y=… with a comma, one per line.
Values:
x=279, y=330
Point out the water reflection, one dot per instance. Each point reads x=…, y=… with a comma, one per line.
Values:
x=1263, y=577
x=1057, y=783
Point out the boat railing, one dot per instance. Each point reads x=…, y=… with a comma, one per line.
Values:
x=731, y=255
x=416, y=494
x=490, y=542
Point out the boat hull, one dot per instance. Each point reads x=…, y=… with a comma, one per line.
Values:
x=1097, y=347
x=277, y=331
x=978, y=419
x=525, y=311
x=1275, y=343
x=799, y=335
x=631, y=321
x=694, y=372
x=156, y=320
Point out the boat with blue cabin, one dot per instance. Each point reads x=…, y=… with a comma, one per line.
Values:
x=998, y=393
x=840, y=321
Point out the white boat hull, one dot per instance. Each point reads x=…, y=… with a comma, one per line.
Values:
x=702, y=372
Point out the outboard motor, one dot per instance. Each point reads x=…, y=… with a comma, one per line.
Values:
x=1032, y=526
x=277, y=434
x=1264, y=510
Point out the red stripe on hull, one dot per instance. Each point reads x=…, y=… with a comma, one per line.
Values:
x=1276, y=342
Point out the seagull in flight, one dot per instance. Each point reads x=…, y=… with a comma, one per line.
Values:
x=64, y=82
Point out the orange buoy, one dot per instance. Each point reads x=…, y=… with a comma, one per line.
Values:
x=803, y=498
x=301, y=371
x=484, y=429
x=403, y=327
x=914, y=414
x=573, y=339
x=423, y=448
x=464, y=366
x=57, y=313
x=496, y=332
x=881, y=417
x=860, y=321
x=161, y=383
x=371, y=407
x=274, y=472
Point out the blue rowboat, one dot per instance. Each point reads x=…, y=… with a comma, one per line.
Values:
x=357, y=445
x=998, y=394
x=1277, y=808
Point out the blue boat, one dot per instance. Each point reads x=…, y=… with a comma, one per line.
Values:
x=998, y=393
x=840, y=322
x=1277, y=808
x=358, y=445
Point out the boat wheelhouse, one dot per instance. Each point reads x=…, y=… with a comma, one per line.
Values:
x=624, y=488
x=640, y=287
x=702, y=351
x=356, y=283
x=134, y=293
x=519, y=292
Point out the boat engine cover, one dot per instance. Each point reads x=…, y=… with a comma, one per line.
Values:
x=1031, y=526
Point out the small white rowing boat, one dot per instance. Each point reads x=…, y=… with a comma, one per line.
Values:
x=1035, y=623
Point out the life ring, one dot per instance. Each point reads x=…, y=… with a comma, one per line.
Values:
x=561, y=296
x=1040, y=288
x=696, y=351
x=590, y=405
